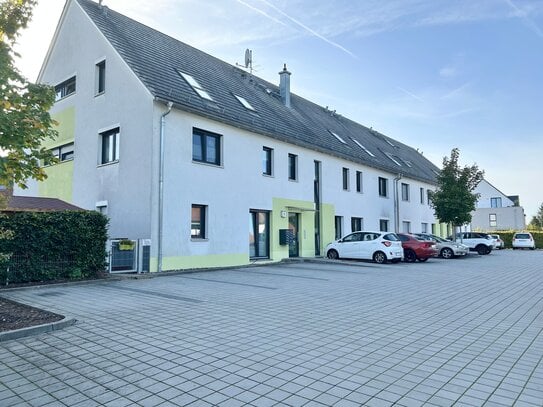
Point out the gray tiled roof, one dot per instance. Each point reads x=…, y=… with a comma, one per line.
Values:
x=156, y=58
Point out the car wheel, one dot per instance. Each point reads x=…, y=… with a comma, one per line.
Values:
x=423, y=260
x=379, y=257
x=410, y=256
x=332, y=254
x=482, y=249
x=447, y=253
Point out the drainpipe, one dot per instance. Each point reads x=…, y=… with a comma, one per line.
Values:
x=397, y=204
x=161, y=183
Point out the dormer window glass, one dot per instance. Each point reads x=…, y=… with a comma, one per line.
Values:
x=363, y=148
x=195, y=86
x=245, y=103
x=393, y=159
x=337, y=137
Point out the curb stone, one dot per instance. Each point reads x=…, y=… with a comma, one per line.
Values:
x=37, y=329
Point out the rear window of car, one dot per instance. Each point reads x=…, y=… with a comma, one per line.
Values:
x=522, y=236
x=391, y=236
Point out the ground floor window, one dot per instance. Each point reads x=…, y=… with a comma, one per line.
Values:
x=383, y=225
x=198, y=222
x=339, y=226
x=356, y=224
x=259, y=234
x=424, y=227
x=406, y=227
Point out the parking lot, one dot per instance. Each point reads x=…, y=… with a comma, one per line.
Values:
x=464, y=332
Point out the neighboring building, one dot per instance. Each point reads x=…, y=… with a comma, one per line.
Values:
x=14, y=203
x=497, y=211
x=243, y=160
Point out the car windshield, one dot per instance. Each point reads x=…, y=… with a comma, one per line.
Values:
x=522, y=236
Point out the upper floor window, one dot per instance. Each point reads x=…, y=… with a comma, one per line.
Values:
x=345, y=179
x=405, y=192
x=65, y=88
x=358, y=181
x=267, y=161
x=496, y=202
x=110, y=145
x=206, y=147
x=422, y=196
x=100, y=77
x=383, y=187
x=292, y=167
x=65, y=152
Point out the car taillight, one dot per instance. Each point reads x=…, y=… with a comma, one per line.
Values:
x=386, y=243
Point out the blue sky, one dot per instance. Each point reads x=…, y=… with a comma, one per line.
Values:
x=434, y=74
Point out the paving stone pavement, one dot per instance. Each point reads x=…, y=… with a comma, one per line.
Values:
x=463, y=332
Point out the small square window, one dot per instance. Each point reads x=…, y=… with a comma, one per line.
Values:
x=198, y=222
x=110, y=146
x=356, y=224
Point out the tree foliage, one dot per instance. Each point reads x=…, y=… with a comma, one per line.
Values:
x=454, y=200
x=537, y=221
x=24, y=119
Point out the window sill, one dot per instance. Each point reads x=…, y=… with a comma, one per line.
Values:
x=208, y=164
x=197, y=239
x=108, y=163
x=99, y=93
x=268, y=175
x=293, y=180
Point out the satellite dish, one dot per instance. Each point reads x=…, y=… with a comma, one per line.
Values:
x=248, y=58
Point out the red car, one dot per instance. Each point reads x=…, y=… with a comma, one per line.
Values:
x=416, y=249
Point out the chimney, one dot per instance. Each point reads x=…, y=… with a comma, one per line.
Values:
x=284, y=86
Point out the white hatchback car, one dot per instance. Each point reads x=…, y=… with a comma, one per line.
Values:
x=523, y=240
x=377, y=246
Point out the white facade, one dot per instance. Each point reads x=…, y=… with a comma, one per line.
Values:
x=127, y=189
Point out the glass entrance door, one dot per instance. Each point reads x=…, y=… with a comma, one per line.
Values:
x=293, y=225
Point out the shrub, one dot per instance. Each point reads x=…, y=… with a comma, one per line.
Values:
x=46, y=246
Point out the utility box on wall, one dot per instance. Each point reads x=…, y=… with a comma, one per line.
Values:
x=285, y=236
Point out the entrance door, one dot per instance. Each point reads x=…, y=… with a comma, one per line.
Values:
x=293, y=225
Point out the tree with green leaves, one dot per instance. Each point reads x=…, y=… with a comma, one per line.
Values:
x=24, y=107
x=454, y=200
x=537, y=221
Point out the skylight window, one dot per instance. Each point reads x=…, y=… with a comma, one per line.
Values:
x=245, y=103
x=406, y=162
x=363, y=148
x=195, y=86
x=337, y=136
x=389, y=142
x=393, y=159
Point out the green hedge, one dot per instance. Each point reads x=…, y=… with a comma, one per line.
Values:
x=45, y=246
x=507, y=237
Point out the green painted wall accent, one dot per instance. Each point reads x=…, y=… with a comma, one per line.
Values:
x=307, y=227
x=65, y=128
x=195, y=262
x=328, y=225
x=59, y=181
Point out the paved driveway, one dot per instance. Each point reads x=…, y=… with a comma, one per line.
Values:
x=457, y=332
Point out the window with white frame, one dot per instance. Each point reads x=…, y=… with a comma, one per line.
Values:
x=65, y=88
x=406, y=227
x=64, y=152
x=493, y=220
x=383, y=225
x=110, y=145
x=292, y=167
x=496, y=202
x=267, y=161
x=424, y=227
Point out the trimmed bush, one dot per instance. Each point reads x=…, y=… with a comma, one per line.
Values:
x=45, y=246
x=507, y=237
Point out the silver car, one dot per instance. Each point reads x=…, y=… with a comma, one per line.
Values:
x=446, y=248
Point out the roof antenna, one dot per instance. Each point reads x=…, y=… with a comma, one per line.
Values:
x=100, y=2
x=248, y=61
